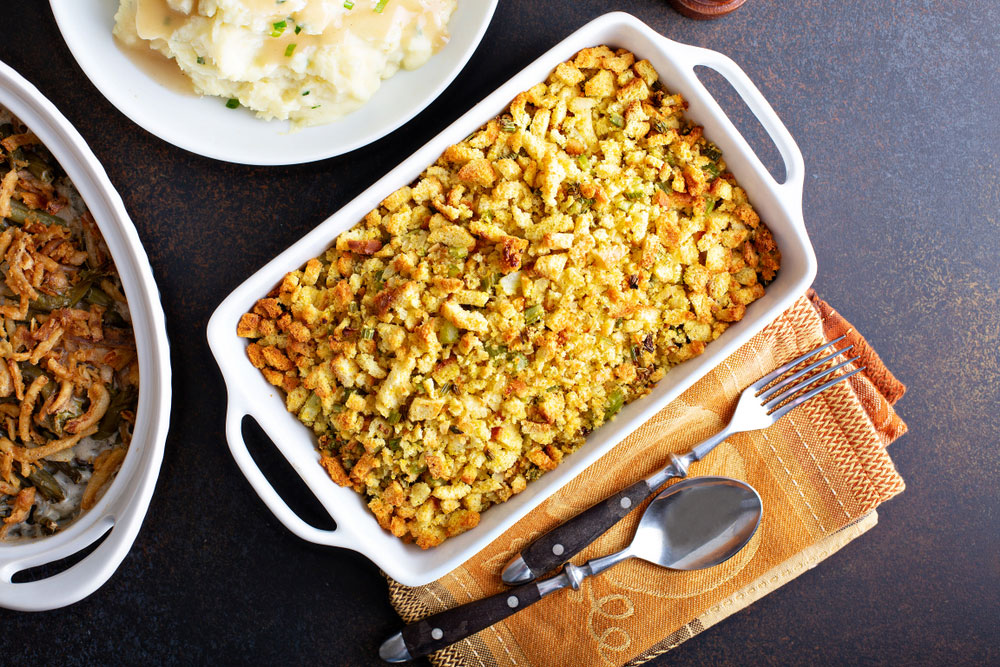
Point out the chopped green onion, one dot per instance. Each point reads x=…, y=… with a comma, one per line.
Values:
x=278, y=28
x=289, y=50
x=617, y=120
x=380, y=6
x=394, y=444
x=348, y=4
x=315, y=106
x=368, y=333
x=712, y=169
x=615, y=402
x=232, y=103
x=446, y=388
x=634, y=196
x=533, y=314
x=200, y=60
x=393, y=417
x=298, y=29
x=711, y=204
x=305, y=93
x=448, y=333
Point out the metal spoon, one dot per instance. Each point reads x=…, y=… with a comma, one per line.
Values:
x=694, y=524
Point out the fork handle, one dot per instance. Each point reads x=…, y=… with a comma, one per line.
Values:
x=565, y=541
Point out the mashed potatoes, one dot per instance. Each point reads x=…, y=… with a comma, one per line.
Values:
x=308, y=61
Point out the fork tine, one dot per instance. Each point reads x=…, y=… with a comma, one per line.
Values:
x=783, y=410
x=781, y=370
x=792, y=378
x=785, y=395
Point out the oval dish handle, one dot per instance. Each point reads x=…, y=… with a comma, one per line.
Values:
x=234, y=435
x=761, y=108
x=72, y=584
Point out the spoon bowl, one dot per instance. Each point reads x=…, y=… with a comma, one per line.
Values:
x=697, y=523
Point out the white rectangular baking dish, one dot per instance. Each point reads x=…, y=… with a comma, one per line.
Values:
x=780, y=205
x=119, y=513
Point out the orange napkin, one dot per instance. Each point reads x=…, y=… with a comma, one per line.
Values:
x=821, y=471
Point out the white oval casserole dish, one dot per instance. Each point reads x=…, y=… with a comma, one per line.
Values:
x=119, y=513
x=780, y=205
x=204, y=125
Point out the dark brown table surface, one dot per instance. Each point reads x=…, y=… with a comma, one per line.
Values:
x=896, y=107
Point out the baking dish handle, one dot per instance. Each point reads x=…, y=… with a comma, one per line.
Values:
x=234, y=434
x=759, y=106
x=76, y=582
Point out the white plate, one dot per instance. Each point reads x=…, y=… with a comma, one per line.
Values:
x=780, y=205
x=205, y=126
x=120, y=511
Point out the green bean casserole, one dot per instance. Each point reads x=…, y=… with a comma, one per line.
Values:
x=475, y=327
x=68, y=371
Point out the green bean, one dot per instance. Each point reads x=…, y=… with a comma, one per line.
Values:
x=120, y=401
x=47, y=485
x=30, y=372
x=68, y=469
x=68, y=299
x=40, y=169
x=97, y=296
x=20, y=214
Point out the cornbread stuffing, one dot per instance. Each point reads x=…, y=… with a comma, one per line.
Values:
x=473, y=329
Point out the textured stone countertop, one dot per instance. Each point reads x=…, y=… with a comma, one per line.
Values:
x=895, y=107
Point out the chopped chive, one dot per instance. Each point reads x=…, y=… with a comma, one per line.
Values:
x=278, y=28
x=533, y=314
x=380, y=6
x=232, y=103
x=315, y=106
x=617, y=120
x=200, y=60
x=289, y=50
x=348, y=4
x=305, y=93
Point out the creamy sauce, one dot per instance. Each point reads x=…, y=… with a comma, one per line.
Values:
x=159, y=67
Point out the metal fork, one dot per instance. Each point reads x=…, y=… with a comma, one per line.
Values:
x=760, y=405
